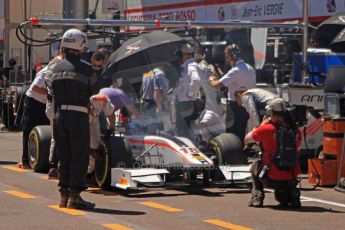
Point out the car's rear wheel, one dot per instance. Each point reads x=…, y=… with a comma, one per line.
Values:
x=39, y=146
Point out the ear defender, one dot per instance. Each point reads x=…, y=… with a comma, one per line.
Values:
x=178, y=53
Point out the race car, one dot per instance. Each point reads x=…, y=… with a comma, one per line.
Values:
x=138, y=158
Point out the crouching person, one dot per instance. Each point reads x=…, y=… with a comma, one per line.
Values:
x=99, y=103
x=277, y=167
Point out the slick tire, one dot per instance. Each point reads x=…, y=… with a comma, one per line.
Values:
x=102, y=171
x=112, y=153
x=39, y=146
x=228, y=149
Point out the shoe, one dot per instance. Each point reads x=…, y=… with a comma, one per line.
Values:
x=255, y=204
x=64, y=193
x=295, y=205
x=76, y=202
x=24, y=166
x=53, y=174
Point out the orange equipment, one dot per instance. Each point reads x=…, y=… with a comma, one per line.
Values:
x=326, y=170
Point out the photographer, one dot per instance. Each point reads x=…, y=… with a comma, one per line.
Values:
x=277, y=166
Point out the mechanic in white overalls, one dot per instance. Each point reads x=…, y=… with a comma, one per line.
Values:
x=209, y=123
x=186, y=93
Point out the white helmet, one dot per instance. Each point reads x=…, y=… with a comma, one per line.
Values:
x=74, y=39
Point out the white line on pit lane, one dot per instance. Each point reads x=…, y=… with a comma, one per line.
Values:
x=305, y=198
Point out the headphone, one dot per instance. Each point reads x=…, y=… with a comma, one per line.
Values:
x=234, y=50
x=178, y=53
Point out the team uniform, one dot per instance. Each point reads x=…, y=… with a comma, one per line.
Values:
x=69, y=80
x=209, y=123
x=255, y=101
x=152, y=80
x=242, y=75
x=186, y=94
x=34, y=110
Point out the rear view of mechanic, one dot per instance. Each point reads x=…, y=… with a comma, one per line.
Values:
x=153, y=90
x=255, y=101
x=69, y=81
x=266, y=170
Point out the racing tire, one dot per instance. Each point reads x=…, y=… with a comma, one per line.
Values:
x=102, y=171
x=228, y=149
x=114, y=152
x=39, y=147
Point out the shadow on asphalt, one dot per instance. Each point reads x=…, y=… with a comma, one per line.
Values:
x=303, y=209
x=190, y=191
x=115, y=212
x=8, y=163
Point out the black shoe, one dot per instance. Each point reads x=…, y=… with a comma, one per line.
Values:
x=79, y=203
x=295, y=205
x=53, y=174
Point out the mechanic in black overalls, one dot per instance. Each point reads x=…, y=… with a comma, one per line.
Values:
x=69, y=80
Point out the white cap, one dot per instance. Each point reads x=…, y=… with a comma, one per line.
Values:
x=276, y=105
x=74, y=39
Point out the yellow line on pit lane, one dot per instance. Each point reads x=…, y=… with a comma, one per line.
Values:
x=69, y=211
x=15, y=168
x=227, y=225
x=161, y=207
x=46, y=178
x=117, y=227
x=19, y=194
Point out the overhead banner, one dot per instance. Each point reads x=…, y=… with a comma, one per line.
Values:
x=221, y=10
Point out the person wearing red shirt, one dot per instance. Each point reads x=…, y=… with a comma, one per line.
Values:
x=282, y=181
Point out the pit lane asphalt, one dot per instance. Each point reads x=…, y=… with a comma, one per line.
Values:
x=153, y=208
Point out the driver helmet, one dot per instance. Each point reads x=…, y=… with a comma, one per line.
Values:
x=74, y=39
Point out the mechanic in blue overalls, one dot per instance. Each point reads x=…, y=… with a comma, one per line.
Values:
x=186, y=93
x=69, y=82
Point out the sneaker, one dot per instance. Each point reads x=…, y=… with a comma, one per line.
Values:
x=255, y=204
x=53, y=174
x=24, y=166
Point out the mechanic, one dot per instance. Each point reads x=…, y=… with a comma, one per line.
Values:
x=33, y=112
x=69, y=82
x=119, y=99
x=209, y=124
x=97, y=61
x=100, y=103
x=153, y=90
x=53, y=172
x=240, y=75
x=106, y=55
x=186, y=93
x=255, y=101
x=265, y=170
